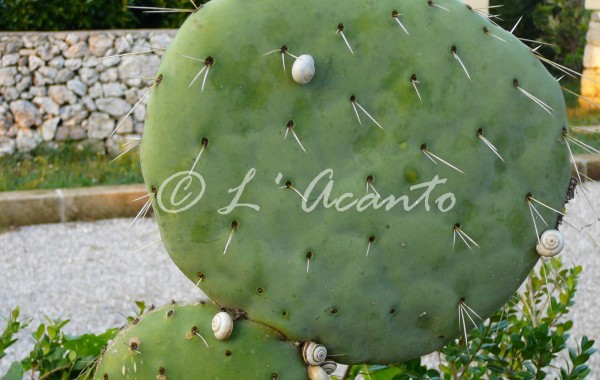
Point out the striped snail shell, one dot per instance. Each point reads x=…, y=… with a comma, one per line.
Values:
x=313, y=353
x=551, y=243
x=222, y=325
x=316, y=372
x=329, y=366
x=303, y=69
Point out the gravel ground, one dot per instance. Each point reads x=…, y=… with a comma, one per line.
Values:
x=85, y=272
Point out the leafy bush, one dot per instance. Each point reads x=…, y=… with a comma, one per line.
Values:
x=526, y=339
x=53, y=15
x=562, y=23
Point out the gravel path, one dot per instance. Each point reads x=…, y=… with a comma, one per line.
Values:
x=85, y=272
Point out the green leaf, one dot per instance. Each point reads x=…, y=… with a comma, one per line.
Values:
x=15, y=372
x=51, y=331
x=89, y=344
x=40, y=331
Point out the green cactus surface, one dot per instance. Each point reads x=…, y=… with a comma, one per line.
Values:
x=177, y=342
x=376, y=209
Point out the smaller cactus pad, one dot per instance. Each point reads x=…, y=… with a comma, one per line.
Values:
x=176, y=342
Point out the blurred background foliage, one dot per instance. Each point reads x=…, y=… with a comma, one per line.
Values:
x=54, y=15
x=562, y=23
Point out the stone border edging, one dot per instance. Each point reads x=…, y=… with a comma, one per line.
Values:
x=22, y=208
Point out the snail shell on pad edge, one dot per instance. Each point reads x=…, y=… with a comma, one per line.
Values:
x=551, y=244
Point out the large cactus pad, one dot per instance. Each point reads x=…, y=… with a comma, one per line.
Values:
x=369, y=207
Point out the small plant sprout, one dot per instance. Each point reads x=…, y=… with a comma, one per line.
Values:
x=290, y=128
x=283, y=50
x=396, y=17
x=208, y=62
x=157, y=82
x=432, y=4
x=234, y=226
x=464, y=237
x=487, y=31
x=454, y=51
x=537, y=101
x=355, y=105
x=371, y=240
x=203, y=145
x=340, y=31
x=488, y=144
x=370, y=180
x=435, y=158
x=415, y=82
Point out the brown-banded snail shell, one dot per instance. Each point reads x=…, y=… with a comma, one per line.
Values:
x=329, y=366
x=313, y=353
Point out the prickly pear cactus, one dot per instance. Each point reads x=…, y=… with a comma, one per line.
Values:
x=376, y=207
x=177, y=342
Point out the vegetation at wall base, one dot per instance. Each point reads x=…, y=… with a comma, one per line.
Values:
x=68, y=165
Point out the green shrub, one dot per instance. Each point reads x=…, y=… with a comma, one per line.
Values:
x=562, y=23
x=53, y=15
x=526, y=339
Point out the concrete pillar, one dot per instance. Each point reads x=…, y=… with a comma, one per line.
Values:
x=591, y=58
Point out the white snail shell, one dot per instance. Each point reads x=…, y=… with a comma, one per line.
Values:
x=551, y=244
x=303, y=69
x=222, y=325
x=313, y=353
x=329, y=367
x=316, y=372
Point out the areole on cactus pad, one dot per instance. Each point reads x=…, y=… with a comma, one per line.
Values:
x=378, y=207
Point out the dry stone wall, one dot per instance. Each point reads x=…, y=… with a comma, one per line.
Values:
x=56, y=87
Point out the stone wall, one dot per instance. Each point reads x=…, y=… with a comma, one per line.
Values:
x=56, y=87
